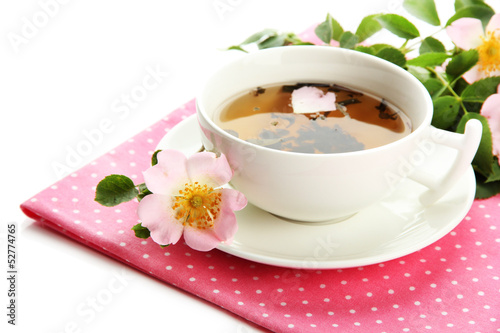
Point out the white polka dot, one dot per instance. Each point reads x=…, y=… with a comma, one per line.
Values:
x=282, y=303
x=241, y=303
x=348, y=297
x=146, y=256
x=352, y=311
x=123, y=244
x=100, y=233
x=258, y=291
x=309, y=314
x=290, y=325
x=169, y=268
x=326, y=300
x=192, y=279
x=369, y=294
x=265, y=315
x=216, y=291
x=417, y=303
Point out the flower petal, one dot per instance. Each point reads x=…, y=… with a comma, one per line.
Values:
x=225, y=225
x=473, y=75
x=156, y=214
x=466, y=33
x=209, y=169
x=168, y=175
x=494, y=24
x=201, y=240
x=491, y=111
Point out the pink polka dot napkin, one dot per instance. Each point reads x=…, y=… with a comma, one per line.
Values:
x=451, y=286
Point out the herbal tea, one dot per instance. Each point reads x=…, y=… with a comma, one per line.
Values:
x=313, y=118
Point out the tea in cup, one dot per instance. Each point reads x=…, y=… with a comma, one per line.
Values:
x=318, y=133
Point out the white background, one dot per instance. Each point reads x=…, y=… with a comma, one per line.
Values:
x=61, y=79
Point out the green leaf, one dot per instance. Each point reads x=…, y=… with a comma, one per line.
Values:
x=435, y=87
x=459, y=4
x=486, y=190
x=420, y=73
x=154, y=158
x=141, y=232
x=368, y=26
x=483, y=13
x=480, y=90
x=461, y=63
x=236, y=47
x=495, y=173
x=143, y=191
x=259, y=36
x=431, y=44
x=378, y=47
x=445, y=111
x=348, y=40
x=329, y=29
x=365, y=49
x=398, y=25
x=115, y=189
x=393, y=55
x=273, y=41
x=484, y=157
x=423, y=9
x=430, y=59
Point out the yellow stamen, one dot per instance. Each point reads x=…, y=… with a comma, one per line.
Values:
x=197, y=205
x=489, y=53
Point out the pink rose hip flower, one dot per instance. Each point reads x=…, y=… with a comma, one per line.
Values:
x=491, y=111
x=467, y=33
x=187, y=199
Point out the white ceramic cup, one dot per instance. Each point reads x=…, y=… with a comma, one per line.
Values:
x=322, y=187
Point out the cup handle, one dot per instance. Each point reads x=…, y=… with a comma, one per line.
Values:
x=466, y=145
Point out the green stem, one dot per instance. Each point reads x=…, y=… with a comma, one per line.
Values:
x=409, y=48
x=448, y=86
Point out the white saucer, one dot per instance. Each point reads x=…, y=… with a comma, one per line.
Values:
x=390, y=229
